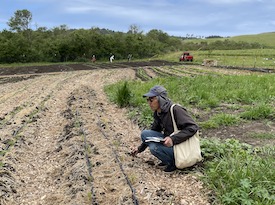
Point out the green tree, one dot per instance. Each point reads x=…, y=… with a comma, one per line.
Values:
x=158, y=35
x=134, y=29
x=15, y=48
x=20, y=21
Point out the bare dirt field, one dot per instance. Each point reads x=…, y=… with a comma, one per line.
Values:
x=64, y=143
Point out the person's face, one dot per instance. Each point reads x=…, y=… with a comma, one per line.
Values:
x=153, y=103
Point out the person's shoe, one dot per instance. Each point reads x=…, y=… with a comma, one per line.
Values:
x=170, y=168
x=161, y=165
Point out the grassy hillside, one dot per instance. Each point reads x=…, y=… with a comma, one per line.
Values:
x=266, y=39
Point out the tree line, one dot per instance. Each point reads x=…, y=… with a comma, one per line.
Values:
x=22, y=44
x=60, y=44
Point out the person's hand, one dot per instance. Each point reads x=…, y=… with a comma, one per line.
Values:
x=168, y=142
x=134, y=152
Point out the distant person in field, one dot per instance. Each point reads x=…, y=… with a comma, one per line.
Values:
x=162, y=128
x=93, y=59
x=129, y=57
x=112, y=58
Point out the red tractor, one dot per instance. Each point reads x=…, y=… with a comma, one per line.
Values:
x=186, y=57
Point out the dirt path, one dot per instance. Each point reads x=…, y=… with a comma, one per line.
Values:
x=62, y=142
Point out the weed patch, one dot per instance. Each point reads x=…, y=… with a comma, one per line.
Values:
x=235, y=172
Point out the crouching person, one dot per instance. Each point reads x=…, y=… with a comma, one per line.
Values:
x=161, y=138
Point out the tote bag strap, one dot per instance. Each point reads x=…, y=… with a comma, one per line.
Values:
x=173, y=120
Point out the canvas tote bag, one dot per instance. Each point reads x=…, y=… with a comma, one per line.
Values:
x=188, y=152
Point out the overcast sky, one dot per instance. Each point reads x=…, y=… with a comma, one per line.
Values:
x=175, y=17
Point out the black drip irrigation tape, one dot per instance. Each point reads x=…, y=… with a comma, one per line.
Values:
x=134, y=198
x=88, y=162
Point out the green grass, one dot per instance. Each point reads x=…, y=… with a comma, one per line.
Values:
x=258, y=112
x=208, y=92
x=238, y=174
x=220, y=120
x=262, y=135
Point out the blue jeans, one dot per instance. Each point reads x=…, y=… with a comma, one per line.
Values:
x=163, y=153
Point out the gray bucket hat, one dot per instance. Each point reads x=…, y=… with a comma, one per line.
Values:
x=156, y=91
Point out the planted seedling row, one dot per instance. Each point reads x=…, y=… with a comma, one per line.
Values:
x=77, y=158
x=176, y=72
x=6, y=180
x=163, y=73
x=142, y=74
x=29, y=118
x=186, y=71
x=17, y=104
x=134, y=197
x=82, y=101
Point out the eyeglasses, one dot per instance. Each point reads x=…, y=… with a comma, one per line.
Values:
x=150, y=99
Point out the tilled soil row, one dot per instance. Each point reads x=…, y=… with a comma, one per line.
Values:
x=109, y=183
x=75, y=150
